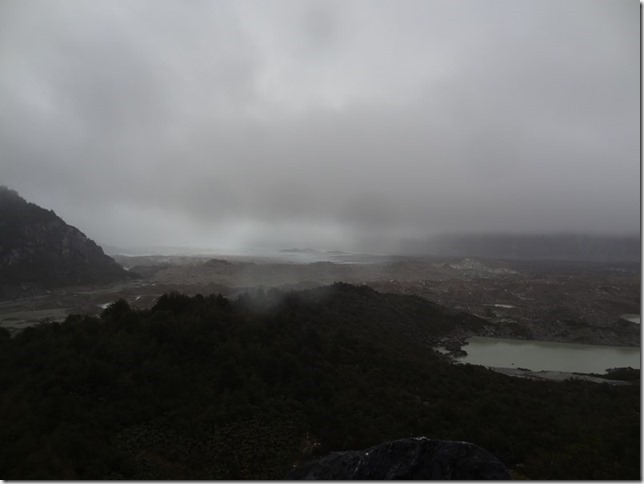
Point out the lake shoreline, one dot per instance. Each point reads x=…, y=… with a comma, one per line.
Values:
x=554, y=375
x=541, y=360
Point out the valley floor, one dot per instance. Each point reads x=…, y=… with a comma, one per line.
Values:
x=572, y=302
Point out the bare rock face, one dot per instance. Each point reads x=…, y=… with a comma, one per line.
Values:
x=407, y=459
x=38, y=249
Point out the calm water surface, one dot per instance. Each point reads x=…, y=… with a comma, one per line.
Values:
x=540, y=355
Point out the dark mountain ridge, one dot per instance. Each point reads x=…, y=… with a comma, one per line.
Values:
x=39, y=250
x=569, y=247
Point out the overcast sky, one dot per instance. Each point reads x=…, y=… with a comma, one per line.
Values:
x=322, y=123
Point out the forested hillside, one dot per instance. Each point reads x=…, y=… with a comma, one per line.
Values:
x=39, y=250
x=207, y=388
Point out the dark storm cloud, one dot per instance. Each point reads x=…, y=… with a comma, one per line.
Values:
x=322, y=122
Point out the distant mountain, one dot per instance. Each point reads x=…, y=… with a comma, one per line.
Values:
x=296, y=250
x=545, y=246
x=39, y=250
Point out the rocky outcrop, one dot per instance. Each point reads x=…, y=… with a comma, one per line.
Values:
x=407, y=459
x=38, y=249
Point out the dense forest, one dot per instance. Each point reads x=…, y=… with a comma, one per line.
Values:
x=208, y=388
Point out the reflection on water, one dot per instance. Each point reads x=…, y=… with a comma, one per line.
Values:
x=633, y=318
x=540, y=355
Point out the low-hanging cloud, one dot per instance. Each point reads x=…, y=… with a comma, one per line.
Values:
x=322, y=123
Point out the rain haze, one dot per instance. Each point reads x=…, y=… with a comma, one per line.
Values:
x=329, y=124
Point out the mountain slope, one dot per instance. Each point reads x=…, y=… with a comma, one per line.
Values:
x=38, y=249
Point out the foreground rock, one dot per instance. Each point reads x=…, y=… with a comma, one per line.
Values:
x=417, y=458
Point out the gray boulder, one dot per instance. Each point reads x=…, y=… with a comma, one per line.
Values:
x=406, y=459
